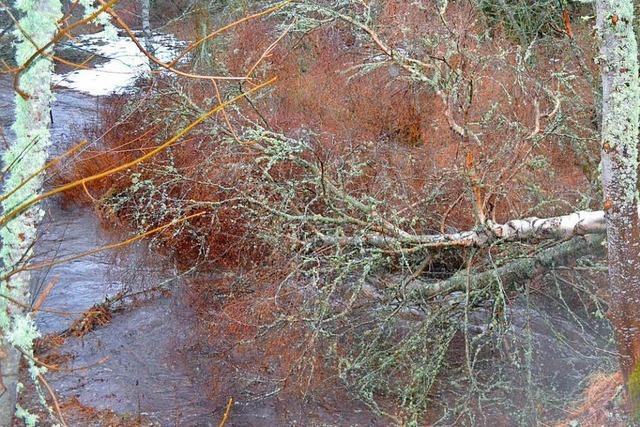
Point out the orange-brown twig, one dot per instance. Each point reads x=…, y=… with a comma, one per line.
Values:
x=47, y=166
x=44, y=294
x=101, y=248
x=54, y=398
x=227, y=412
x=566, y=20
x=225, y=28
x=26, y=205
x=155, y=60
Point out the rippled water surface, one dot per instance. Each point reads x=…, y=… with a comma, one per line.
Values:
x=151, y=366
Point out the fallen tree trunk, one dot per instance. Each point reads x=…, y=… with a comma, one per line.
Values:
x=518, y=271
x=358, y=223
x=563, y=227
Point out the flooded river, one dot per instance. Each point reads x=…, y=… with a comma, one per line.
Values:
x=151, y=361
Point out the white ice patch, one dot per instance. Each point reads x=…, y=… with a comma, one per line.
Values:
x=124, y=63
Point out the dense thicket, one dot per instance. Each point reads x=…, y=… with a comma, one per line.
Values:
x=389, y=120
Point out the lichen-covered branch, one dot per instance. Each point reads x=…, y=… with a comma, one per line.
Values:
x=364, y=226
x=25, y=156
x=517, y=271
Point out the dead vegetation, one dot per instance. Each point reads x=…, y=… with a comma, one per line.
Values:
x=602, y=404
x=47, y=350
x=98, y=315
x=400, y=118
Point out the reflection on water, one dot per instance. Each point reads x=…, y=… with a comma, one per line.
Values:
x=124, y=62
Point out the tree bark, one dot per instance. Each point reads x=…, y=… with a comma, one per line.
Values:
x=24, y=157
x=580, y=223
x=146, y=26
x=620, y=114
x=517, y=271
x=204, y=56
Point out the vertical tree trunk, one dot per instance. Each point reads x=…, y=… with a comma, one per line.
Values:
x=26, y=155
x=620, y=114
x=204, y=58
x=146, y=25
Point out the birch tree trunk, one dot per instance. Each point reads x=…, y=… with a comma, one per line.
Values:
x=146, y=26
x=620, y=114
x=24, y=157
x=202, y=17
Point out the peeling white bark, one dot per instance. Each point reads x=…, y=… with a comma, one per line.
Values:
x=563, y=227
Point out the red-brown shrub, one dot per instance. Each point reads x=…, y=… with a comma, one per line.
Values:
x=399, y=131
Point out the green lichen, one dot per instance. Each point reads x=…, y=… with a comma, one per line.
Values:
x=23, y=331
x=32, y=142
x=90, y=7
x=621, y=114
x=26, y=154
x=633, y=390
x=30, y=420
x=621, y=107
